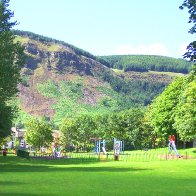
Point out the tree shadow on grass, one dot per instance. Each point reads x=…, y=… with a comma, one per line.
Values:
x=46, y=168
x=44, y=161
x=9, y=183
x=17, y=194
x=15, y=164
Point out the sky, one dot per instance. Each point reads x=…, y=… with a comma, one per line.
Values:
x=109, y=27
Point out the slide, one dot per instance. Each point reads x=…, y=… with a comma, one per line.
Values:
x=104, y=151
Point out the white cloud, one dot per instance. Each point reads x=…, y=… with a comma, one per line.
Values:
x=182, y=48
x=151, y=49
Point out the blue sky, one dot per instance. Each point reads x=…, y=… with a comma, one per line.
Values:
x=109, y=27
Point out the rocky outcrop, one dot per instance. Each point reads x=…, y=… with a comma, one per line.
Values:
x=63, y=60
x=50, y=61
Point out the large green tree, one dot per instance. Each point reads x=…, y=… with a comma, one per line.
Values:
x=185, y=115
x=5, y=120
x=11, y=60
x=162, y=109
x=191, y=48
x=174, y=111
x=129, y=125
x=78, y=131
x=38, y=133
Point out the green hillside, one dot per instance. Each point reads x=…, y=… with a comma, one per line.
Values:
x=144, y=63
x=60, y=80
x=44, y=39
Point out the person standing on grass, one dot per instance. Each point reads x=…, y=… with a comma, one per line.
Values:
x=172, y=145
x=169, y=144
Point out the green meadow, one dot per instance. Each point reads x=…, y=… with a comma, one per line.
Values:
x=90, y=176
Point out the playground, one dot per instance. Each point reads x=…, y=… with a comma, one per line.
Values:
x=84, y=175
x=100, y=153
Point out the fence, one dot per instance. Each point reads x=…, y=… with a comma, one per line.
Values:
x=129, y=156
x=126, y=157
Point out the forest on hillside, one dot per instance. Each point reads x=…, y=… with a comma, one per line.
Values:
x=144, y=63
x=70, y=97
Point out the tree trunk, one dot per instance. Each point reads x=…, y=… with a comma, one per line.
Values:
x=194, y=143
x=184, y=144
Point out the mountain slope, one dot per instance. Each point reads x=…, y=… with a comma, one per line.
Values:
x=60, y=80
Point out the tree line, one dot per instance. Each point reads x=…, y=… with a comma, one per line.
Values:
x=80, y=132
x=144, y=63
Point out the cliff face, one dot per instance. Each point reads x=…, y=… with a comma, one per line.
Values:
x=59, y=58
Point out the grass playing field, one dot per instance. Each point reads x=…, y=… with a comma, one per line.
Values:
x=19, y=176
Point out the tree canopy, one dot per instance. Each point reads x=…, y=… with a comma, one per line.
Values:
x=174, y=111
x=11, y=55
x=128, y=125
x=191, y=48
x=38, y=133
x=11, y=59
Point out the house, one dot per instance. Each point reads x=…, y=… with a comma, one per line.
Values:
x=20, y=135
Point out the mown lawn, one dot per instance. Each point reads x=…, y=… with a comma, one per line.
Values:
x=31, y=177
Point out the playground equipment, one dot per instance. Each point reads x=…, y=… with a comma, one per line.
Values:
x=118, y=147
x=56, y=151
x=100, y=144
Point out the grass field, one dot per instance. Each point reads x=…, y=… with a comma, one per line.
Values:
x=30, y=177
